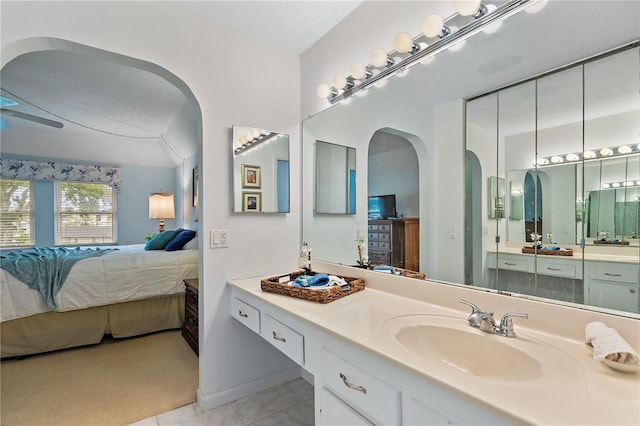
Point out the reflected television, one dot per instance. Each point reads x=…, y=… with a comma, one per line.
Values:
x=382, y=206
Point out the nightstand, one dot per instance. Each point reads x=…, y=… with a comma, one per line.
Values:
x=190, y=326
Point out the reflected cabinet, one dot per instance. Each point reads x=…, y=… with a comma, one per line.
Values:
x=567, y=146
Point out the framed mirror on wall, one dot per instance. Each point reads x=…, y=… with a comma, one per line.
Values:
x=335, y=187
x=261, y=181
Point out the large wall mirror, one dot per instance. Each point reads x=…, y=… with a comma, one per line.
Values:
x=260, y=171
x=514, y=134
x=570, y=231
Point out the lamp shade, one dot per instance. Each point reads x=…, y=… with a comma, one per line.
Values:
x=161, y=206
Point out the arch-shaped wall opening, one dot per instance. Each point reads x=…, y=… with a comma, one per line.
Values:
x=393, y=167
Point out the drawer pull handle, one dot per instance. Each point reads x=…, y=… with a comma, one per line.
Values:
x=351, y=386
x=553, y=269
x=242, y=314
x=509, y=264
x=612, y=275
x=632, y=290
x=278, y=338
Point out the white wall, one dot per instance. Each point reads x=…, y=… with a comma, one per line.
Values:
x=212, y=62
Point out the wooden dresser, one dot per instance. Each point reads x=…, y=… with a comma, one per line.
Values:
x=190, y=326
x=395, y=242
x=386, y=242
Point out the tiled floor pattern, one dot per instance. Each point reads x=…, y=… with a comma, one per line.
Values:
x=288, y=404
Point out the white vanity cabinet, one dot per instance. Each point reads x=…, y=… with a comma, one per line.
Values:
x=353, y=385
x=614, y=285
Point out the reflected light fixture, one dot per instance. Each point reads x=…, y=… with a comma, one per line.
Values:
x=161, y=206
x=620, y=151
x=252, y=139
x=438, y=34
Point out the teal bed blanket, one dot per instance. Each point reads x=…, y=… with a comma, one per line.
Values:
x=45, y=269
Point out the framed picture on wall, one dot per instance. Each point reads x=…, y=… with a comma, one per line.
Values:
x=250, y=176
x=251, y=202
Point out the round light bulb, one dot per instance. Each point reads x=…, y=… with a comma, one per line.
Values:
x=605, y=152
x=432, y=25
x=536, y=6
x=339, y=81
x=616, y=185
x=249, y=137
x=556, y=159
x=572, y=157
x=403, y=42
x=237, y=143
x=323, y=91
x=243, y=140
x=256, y=134
x=624, y=149
x=467, y=7
x=605, y=186
x=379, y=57
x=358, y=71
x=589, y=155
x=629, y=183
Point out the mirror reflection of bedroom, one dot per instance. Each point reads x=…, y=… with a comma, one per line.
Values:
x=99, y=179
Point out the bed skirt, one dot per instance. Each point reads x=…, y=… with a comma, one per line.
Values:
x=50, y=331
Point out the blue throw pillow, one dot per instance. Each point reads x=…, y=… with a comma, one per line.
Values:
x=160, y=241
x=180, y=239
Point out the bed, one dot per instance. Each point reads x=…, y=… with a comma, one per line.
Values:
x=126, y=292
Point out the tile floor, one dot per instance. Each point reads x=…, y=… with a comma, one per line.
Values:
x=288, y=404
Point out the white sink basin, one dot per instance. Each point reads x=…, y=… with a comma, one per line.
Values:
x=448, y=342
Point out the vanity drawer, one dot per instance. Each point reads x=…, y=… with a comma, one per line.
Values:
x=615, y=272
x=360, y=389
x=380, y=258
x=556, y=269
x=246, y=314
x=289, y=341
x=373, y=227
x=513, y=264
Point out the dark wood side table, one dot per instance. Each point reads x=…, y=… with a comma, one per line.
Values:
x=190, y=326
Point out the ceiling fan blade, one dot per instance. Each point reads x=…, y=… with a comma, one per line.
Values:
x=31, y=117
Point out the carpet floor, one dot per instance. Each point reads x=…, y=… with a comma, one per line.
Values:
x=116, y=382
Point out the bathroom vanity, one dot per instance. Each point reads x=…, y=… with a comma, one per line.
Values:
x=401, y=352
x=606, y=281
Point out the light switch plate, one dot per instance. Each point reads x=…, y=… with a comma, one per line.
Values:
x=219, y=238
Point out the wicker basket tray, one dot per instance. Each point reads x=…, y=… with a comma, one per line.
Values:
x=531, y=250
x=405, y=272
x=274, y=285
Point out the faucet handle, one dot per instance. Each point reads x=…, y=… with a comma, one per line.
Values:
x=506, y=324
x=474, y=308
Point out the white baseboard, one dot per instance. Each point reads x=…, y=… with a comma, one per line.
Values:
x=207, y=402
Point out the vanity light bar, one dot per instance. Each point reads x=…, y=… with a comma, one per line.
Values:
x=454, y=31
x=625, y=184
x=618, y=151
x=250, y=140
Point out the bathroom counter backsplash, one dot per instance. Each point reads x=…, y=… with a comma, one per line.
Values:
x=590, y=393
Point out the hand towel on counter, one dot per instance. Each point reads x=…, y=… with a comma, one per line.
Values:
x=317, y=280
x=321, y=282
x=608, y=344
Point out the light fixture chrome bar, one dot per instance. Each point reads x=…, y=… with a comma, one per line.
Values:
x=501, y=13
x=255, y=142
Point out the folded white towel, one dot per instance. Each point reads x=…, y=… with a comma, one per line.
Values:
x=608, y=344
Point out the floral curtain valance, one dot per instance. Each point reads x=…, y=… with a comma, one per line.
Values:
x=50, y=170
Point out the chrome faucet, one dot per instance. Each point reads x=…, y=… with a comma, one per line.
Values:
x=485, y=322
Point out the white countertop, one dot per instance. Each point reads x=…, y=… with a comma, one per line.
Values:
x=591, y=253
x=576, y=391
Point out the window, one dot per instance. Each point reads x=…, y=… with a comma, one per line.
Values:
x=16, y=213
x=85, y=213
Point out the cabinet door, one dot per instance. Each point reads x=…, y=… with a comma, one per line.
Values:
x=614, y=295
x=333, y=411
x=421, y=414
